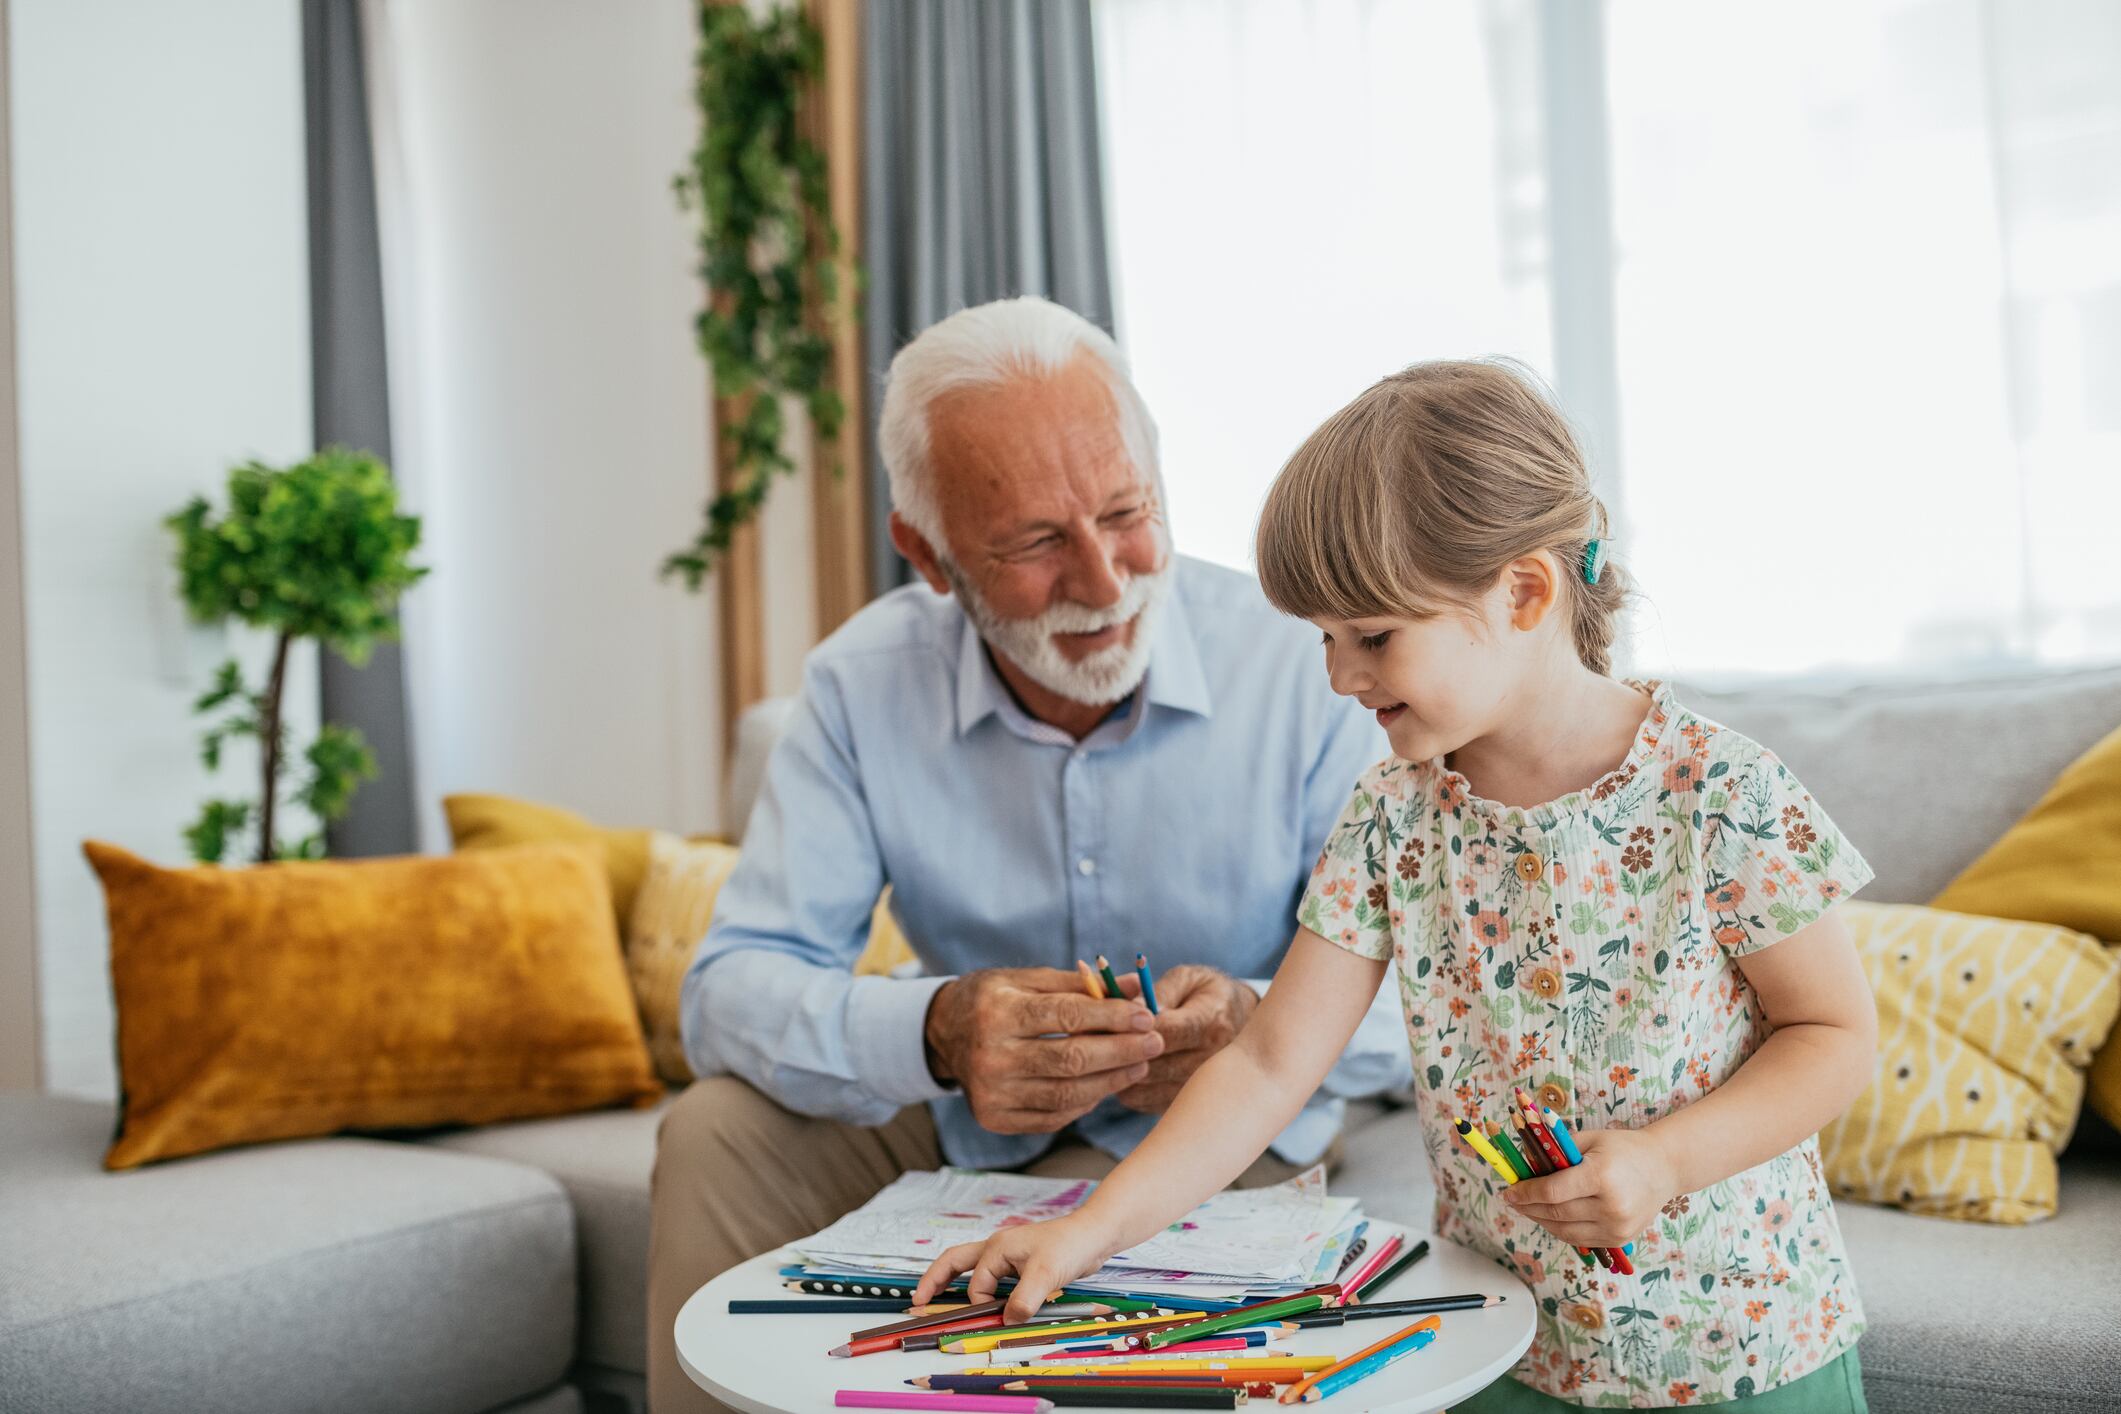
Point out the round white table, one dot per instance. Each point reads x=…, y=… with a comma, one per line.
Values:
x=778, y=1364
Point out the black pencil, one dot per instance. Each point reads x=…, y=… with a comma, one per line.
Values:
x=1383, y=1279
x=1421, y=1306
x=1120, y=1396
x=796, y=1306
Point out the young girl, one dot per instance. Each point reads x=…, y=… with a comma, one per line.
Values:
x=1589, y=891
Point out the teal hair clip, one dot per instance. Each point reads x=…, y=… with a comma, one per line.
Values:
x=1593, y=560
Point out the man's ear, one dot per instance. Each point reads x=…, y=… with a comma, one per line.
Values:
x=919, y=553
x=1532, y=587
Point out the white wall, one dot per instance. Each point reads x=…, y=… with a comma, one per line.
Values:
x=162, y=308
x=550, y=412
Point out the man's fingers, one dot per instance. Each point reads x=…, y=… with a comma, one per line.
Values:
x=1075, y=1057
x=1046, y=1012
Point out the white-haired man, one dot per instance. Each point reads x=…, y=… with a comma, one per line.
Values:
x=1078, y=744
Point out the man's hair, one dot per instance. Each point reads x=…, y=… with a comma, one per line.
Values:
x=981, y=346
x=1411, y=500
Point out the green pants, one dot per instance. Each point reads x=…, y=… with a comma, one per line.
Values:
x=1834, y=1388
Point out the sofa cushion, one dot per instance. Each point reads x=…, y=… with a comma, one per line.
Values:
x=323, y=1275
x=1924, y=776
x=603, y=1160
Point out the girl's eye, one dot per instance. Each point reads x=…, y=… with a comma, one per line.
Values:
x=1375, y=641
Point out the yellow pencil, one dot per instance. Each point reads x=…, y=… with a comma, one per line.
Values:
x=1479, y=1144
x=976, y=1342
x=1254, y=1362
x=1095, y=988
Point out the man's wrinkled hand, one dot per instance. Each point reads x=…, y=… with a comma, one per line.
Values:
x=1031, y=1051
x=1202, y=1012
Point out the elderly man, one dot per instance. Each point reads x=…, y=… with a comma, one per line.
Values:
x=1079, y=743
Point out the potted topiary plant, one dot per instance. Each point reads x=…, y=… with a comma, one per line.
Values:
x=315, y=550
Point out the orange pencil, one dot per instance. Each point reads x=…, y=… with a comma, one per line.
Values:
x=1295, y=1393
x=1095, y=988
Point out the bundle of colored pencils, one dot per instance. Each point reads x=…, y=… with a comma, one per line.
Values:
x=1536, y=1143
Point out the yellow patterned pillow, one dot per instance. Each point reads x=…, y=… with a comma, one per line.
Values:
x=1984, y=1030
x=670, y=916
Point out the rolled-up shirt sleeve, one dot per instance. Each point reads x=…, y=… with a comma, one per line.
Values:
x=771, y=996
x=1377, y=1059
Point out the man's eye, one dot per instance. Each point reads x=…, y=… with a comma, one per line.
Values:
x=1375, y=641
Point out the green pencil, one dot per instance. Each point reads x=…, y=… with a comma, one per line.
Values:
x=1229, y=1320
x=1502, y=1140
x=1104, y=970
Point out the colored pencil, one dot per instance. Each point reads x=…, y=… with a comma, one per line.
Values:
x=940, y=1318
x=1351, y=1290
x=796, y=1306
x=1297, y=1391
x=1340, y=1380
x=1228, y=1340
x=1095, y=988
x=1478, y=1143
x=1417, y=1306
x=1141, y=970
x=1501, y=1139
x=1135, y=1397
x=1051, y=1334
x=1537, y=1128
x=1350, y=1257
x=1243, y=1316
x=914, y=1399
x=1291, y=1367
x=1406, y=1259
x=1566, y=1140
x=984, y=1384
x=1104, y=970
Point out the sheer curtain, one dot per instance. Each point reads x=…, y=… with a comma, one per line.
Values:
x=1862, y=309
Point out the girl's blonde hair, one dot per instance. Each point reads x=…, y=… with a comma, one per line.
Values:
x=1415, y=496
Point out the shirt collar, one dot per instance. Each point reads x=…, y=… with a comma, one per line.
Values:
x=1175, y=678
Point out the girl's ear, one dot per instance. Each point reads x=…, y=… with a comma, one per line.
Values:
x=1532, y=587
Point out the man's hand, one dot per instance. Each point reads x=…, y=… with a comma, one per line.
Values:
x=1203, y=1010
x=1609, y=1199
x=1031, y=1051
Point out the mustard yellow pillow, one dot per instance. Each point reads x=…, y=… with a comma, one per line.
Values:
x=285, y=1000
x=498, y=821
x=1984, y=1030
x=670, y=916
x=2061, y=864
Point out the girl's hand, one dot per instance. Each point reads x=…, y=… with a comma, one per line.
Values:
x=1609, y=1199
x=1045, y=1257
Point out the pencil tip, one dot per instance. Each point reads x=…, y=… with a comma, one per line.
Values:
x=841, y=1351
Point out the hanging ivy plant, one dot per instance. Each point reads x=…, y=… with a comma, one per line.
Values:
x=769, y=254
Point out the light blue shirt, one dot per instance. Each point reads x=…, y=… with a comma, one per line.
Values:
x=1184, y=827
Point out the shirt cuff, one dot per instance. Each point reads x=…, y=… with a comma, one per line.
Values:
x=886, y=1022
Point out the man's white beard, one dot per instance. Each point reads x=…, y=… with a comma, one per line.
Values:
x=1099, y=680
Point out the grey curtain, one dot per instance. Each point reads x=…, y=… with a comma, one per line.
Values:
x=981, y=178
x=352, y=402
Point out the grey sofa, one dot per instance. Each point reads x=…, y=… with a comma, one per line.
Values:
x=503, y=1268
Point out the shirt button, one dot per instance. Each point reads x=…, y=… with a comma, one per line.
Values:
x=1554, y=1098
x=1529, y=866
x=1086, y=866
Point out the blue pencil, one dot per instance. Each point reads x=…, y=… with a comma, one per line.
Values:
x=1141, y=970
x=1569, y=1151
x=1362, y=1370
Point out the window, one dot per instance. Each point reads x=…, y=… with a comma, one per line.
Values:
x=1845, y=301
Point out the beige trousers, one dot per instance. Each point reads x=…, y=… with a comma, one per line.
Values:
x=737, y=1175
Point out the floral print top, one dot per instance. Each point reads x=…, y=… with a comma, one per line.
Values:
x=1586, y=949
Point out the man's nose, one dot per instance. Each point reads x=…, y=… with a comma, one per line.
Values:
x=1093, y=580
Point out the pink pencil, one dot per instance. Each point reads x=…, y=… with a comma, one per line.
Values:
x=942, y=1399
x=1353, y=1285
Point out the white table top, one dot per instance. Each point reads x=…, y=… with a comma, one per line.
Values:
x=778, y=1364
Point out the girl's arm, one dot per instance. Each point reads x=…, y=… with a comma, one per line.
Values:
x=1221, y=1121
x=1813, y=992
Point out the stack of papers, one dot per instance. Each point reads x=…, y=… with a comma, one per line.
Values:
x=1241, y=1244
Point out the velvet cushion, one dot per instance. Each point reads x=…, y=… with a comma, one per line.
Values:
x=286, y=1000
